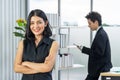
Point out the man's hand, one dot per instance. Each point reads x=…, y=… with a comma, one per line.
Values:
x=79, y=47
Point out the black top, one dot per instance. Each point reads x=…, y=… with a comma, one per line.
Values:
x=37, y=54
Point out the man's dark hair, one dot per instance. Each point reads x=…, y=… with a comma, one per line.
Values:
x=37, y=12
x=93, y=16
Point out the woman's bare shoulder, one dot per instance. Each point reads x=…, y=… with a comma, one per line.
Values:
x=20, y=43
x=55, y=43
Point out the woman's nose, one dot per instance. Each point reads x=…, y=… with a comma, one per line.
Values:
x=36, y=25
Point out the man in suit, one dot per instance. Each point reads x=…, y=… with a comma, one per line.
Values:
x=100, y=51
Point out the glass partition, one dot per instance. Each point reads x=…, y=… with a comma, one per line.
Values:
x=73, y=12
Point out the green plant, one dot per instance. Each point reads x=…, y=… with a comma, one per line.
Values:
x=21, y=25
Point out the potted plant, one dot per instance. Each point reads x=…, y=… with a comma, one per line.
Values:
x=21, y=25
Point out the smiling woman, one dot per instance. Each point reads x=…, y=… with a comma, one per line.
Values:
x=36, y=54
x=37, y=25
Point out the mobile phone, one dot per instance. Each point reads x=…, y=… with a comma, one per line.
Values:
x=75, y=44
x=79, y=47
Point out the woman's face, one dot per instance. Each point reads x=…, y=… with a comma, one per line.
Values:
x=37, y=25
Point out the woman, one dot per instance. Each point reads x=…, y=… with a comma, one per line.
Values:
x=36, y=54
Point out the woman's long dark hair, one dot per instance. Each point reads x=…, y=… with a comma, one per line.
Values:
x=37, y=12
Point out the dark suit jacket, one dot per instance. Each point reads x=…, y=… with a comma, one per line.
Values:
x=99, y=53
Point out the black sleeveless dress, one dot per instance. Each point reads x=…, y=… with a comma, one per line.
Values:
x=37, y=54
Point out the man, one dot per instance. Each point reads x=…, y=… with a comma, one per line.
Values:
x=100, y=52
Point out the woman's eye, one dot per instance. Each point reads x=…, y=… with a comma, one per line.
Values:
x=39, y=22
x=32, y=23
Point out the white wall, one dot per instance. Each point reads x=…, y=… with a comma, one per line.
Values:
x=10, y=11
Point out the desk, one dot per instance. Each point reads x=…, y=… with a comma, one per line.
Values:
x=110, y=76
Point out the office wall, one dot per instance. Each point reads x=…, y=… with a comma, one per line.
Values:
x=10, y=11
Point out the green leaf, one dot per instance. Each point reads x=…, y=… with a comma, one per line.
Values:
x=21, y=24
x=20, y=28
x=17, y=34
